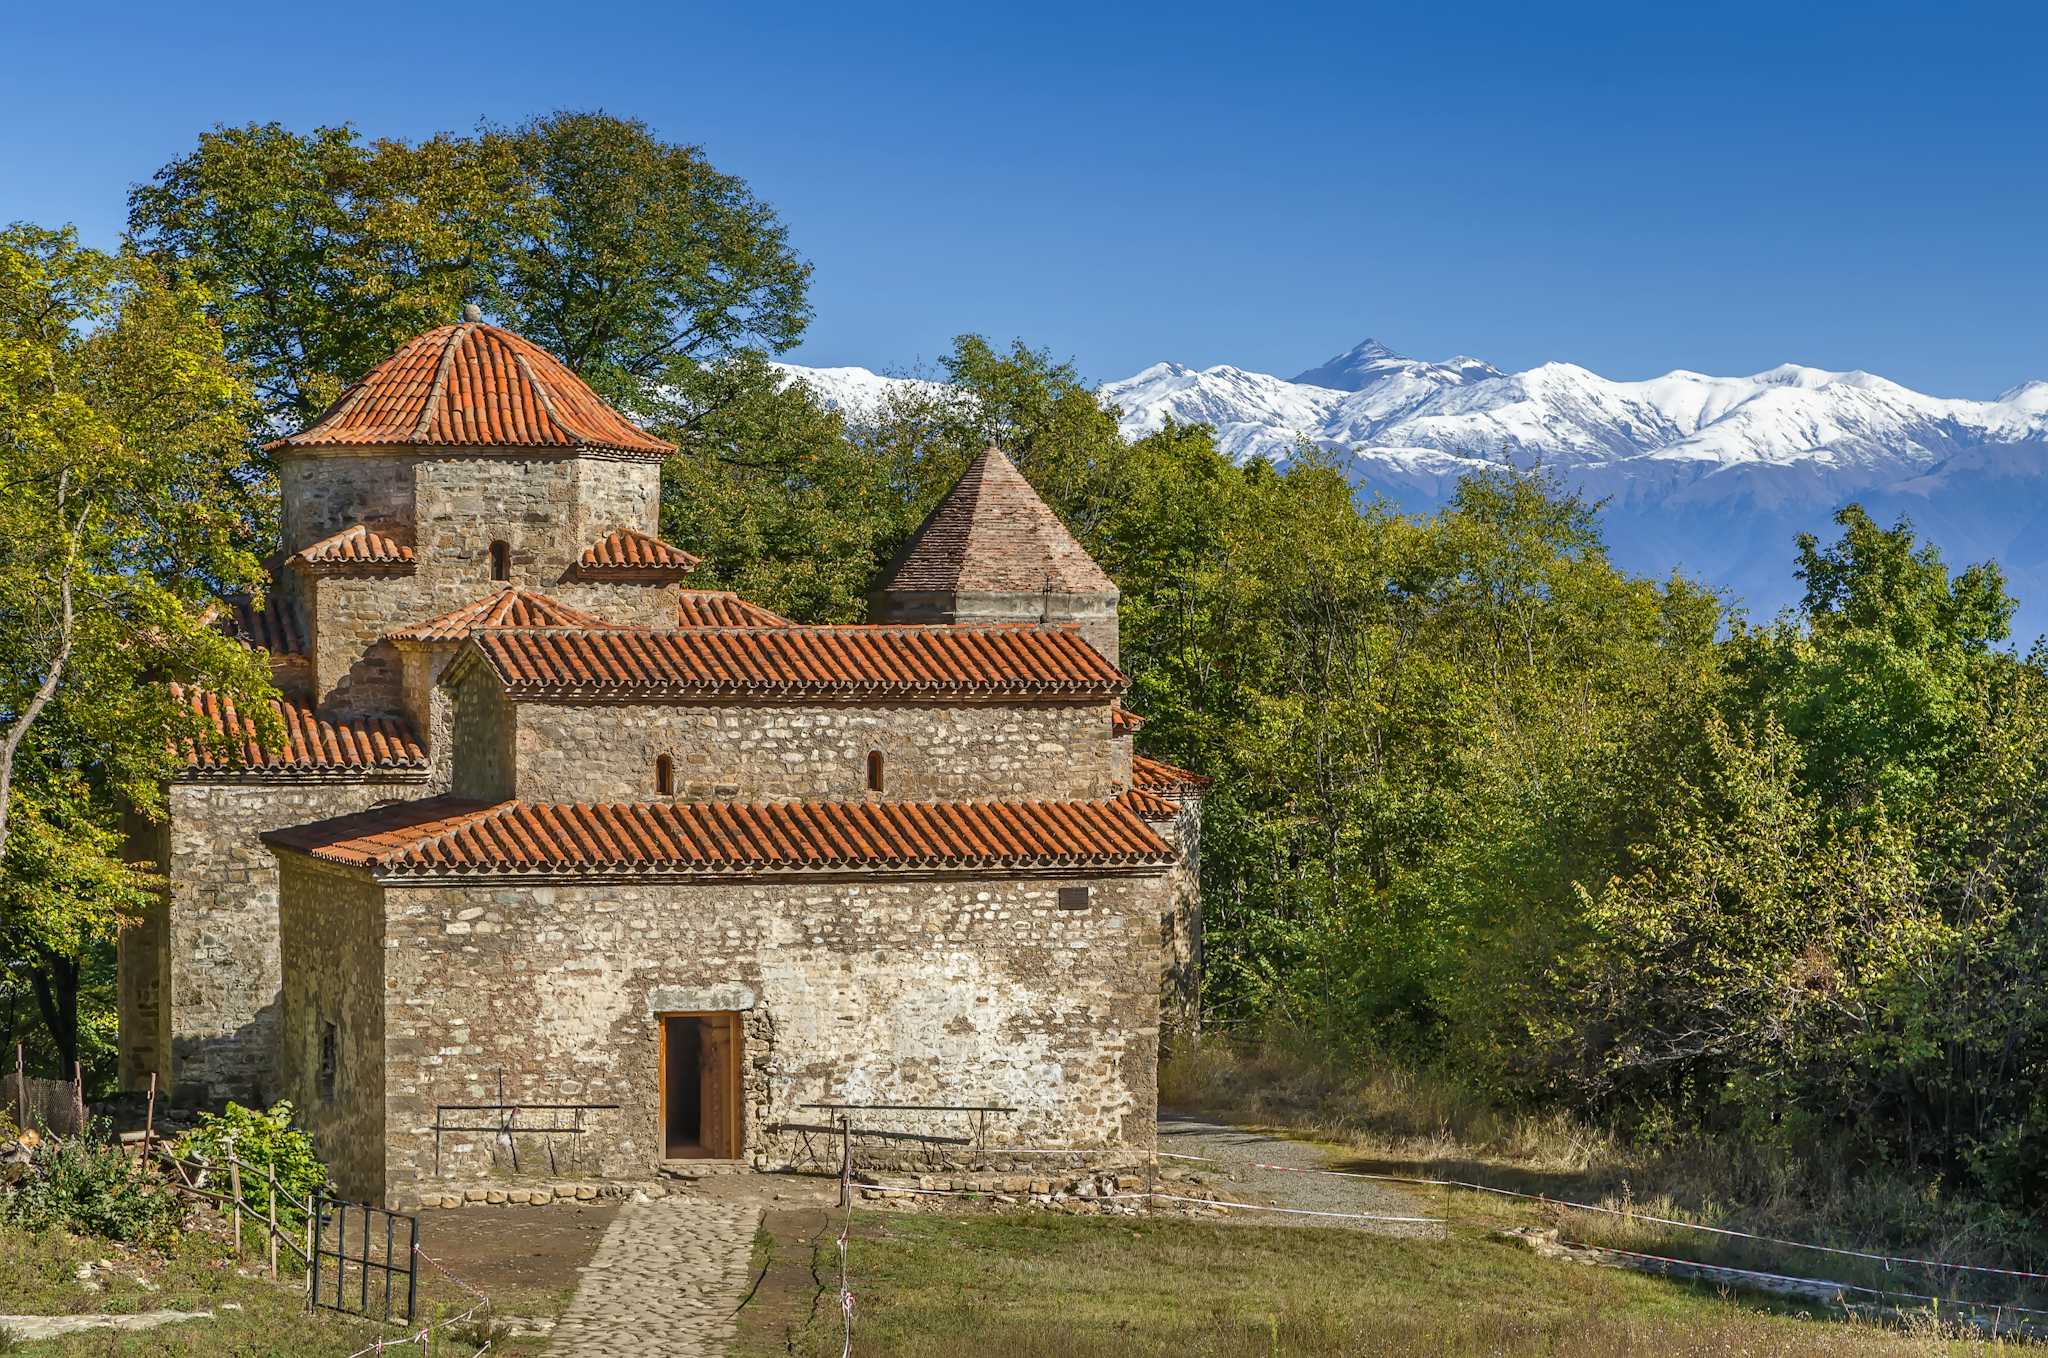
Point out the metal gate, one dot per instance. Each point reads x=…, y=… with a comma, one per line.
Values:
x=346, y=1235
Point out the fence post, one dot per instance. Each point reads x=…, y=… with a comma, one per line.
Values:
x=314, y=1229
x=312, y=1248
x=149, y=1121
x=270, y=1238
x=78, y=1093
x=235, y=1190
x=412, y=1273
x=845, y=1161
x=21, y=1085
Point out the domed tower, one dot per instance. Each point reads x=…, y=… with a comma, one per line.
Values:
x=993, y=551
x=470, y=463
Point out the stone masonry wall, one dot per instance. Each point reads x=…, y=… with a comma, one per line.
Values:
x=776, y=751
x=331, y=940
x=614, y=493
x=323, y=493
x=1180, y=926
x=355, y=670
x=639, y=603
x=426, y=704
x=942, y=991
x=547, y=508
x=481, y=741
x=215, y=946
x=143, y=969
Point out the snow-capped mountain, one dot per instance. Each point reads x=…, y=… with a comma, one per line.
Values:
x=1712, y=475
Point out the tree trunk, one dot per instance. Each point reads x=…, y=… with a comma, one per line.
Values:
x=55, y=978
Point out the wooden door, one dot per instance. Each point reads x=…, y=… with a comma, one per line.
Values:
x=718, y=1077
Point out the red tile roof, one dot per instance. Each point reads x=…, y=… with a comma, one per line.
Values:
x=1152, y=775
x=448, y=835
x=275, y=627
x=723, y=608
x=511, y=606
x=1010, y=660
x=312, y=744
x=473, y=385
x=356, y=546
x=627, y=551
x=1123, y=721
x=1149, y=806
x=992, y=534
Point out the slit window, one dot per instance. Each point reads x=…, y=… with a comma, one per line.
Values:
x=501, y=560
x=665, y=775
x=875, y=771
x=330, y=1058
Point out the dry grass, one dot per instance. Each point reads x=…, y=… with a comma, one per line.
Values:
x=1387, y=1119
x=1036, y=1285
x=251, y=1315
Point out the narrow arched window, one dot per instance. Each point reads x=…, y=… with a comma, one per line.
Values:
x=501, y=561
x=874, y=770
x=665, y=775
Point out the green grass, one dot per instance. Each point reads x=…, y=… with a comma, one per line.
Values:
x=1026, y=1284
x=253, y=1317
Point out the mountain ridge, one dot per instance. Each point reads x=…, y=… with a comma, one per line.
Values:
x=1713, y=475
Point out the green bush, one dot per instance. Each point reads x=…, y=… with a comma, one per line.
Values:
x=261, y=1141
x=87, y=1186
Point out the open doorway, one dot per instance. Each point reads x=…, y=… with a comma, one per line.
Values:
x=700, y=1086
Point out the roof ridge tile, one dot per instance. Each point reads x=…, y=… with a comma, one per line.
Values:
x=453, y=835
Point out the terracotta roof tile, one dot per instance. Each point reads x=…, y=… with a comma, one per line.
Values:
x=904, y=661
x=447, y=835
x=356, y=546
x=1152, y=775
x=509, y=607
x=723, y=608
x=1149, y=806
x=626, y=551
x=1124, y=722
x=992, y=534
x=312, y=744
x=275, y=627
x=473, y=385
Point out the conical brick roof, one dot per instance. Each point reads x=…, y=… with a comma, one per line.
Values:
x=472, y=385
x=993, y=535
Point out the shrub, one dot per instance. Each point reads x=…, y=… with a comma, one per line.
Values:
x=88, y=1186
x=262, y=1141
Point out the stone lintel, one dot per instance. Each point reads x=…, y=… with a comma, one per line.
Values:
x=699, y=999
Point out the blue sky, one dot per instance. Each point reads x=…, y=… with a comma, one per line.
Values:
x=1633, y=188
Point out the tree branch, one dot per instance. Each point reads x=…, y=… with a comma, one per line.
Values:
x=67, y=630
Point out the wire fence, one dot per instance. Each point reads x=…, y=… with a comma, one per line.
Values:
x=1836, y=1290
x=1887, y=1261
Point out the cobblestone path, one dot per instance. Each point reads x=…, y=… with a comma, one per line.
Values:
x=665, y=1281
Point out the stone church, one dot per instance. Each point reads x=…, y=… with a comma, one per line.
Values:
x=558, y=844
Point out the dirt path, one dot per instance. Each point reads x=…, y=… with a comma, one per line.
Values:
x=1226, y=1165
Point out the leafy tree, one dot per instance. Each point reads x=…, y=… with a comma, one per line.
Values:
x=124, y=512
x=1879, y=674
x=633, y=259
x=771, y=492
x=65, y=891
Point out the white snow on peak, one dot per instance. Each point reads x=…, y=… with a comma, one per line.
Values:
x=1371, y=399
x=1713, y=475
x=856, y=393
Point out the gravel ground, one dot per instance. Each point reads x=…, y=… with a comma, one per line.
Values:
x=1234, y=1151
